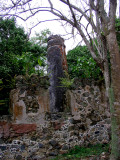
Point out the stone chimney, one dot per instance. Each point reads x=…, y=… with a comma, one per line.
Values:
x=57, y=64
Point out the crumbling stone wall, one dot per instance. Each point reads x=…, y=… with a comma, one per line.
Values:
x=57, y=64
x=42, y=135
x=56, y=137
x=88, y=104
x=30, y=99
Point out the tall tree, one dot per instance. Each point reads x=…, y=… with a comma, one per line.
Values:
x=13, y=41
x=12, y=35
x=86, y=15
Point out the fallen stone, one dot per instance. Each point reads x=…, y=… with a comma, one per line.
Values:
x=22, y=147
x=65, y=147
x=18, y=157
x=53, y=154
x=3, y=148
x=53, y=143
x=41, y=145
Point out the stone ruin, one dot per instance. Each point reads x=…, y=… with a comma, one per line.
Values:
x=57, y=64
x=37, y=128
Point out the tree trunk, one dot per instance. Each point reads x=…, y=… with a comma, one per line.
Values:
x=114, y=94
x=106, y=71
x=107, y=80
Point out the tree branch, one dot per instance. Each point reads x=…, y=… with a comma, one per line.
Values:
x=39, y=23
x=83, y=13
x=101, y=11
x=87, y=43
x=92, y=5
x=73, y=15
x=51, y=5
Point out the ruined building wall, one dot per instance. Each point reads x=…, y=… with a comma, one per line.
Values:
x=34, y=132
x=30, y=99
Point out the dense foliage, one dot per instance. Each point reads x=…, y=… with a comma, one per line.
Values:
x=13, y=41
x=12, y=38
x=81, y=64
x=18, y=55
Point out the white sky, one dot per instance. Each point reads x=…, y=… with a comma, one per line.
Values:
x=54, y=26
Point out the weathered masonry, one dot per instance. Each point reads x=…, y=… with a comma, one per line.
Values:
x=57, y=64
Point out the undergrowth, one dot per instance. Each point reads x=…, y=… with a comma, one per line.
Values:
x=83, y=152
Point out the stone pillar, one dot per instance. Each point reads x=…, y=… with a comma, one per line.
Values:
x=57, y=63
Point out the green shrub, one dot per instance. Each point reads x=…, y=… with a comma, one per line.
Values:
x=66, y=81
x=82, y=152
x=81, y=64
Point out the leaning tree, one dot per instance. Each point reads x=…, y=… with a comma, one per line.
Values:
x=94, y=21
